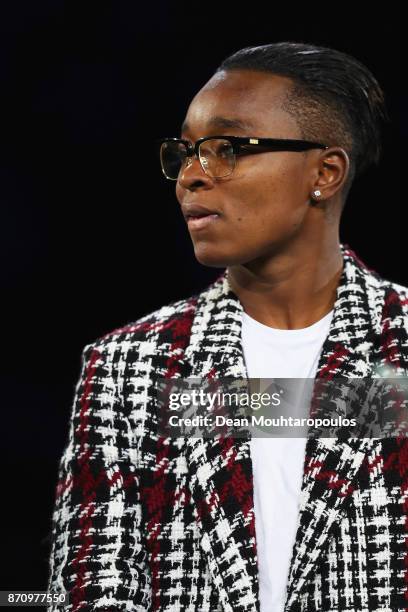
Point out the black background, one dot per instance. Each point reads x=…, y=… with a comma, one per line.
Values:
x=91, y=235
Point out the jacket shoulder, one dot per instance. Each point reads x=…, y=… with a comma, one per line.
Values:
x=388, y=304
x=400, y=292
x=147, y=327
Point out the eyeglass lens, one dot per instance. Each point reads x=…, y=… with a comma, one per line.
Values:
x=216, y=156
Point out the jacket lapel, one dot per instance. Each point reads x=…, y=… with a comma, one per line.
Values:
x=331, y=465
x=220, y=471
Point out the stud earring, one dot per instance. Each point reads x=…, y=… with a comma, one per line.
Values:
x=317, y=193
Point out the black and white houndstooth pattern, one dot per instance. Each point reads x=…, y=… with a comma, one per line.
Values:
x=143, y=522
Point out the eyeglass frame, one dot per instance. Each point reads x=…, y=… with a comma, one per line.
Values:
x=282, y=144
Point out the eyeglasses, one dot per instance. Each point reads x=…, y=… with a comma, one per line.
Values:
x=217, y=154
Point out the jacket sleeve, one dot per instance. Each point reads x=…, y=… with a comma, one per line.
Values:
x=97, y=551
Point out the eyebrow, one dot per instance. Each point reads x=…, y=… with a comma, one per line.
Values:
x=224, y=122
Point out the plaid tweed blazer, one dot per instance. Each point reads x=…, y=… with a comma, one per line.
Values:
x=144, y=522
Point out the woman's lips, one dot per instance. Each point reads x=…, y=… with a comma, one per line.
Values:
x=196, y=223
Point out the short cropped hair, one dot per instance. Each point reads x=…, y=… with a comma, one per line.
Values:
x=335, y=99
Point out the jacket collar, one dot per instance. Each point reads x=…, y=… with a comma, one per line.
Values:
x=221, y=471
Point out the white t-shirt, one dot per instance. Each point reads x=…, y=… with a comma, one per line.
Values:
x=278, y=462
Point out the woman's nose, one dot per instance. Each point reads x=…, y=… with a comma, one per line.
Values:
x=191, y=172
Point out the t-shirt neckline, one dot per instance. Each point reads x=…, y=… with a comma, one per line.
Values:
x=274, y=331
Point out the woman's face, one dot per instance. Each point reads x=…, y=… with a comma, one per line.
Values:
x=266, y=200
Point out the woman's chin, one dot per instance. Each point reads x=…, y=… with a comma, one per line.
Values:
x=214, y=258
x=210, y=257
